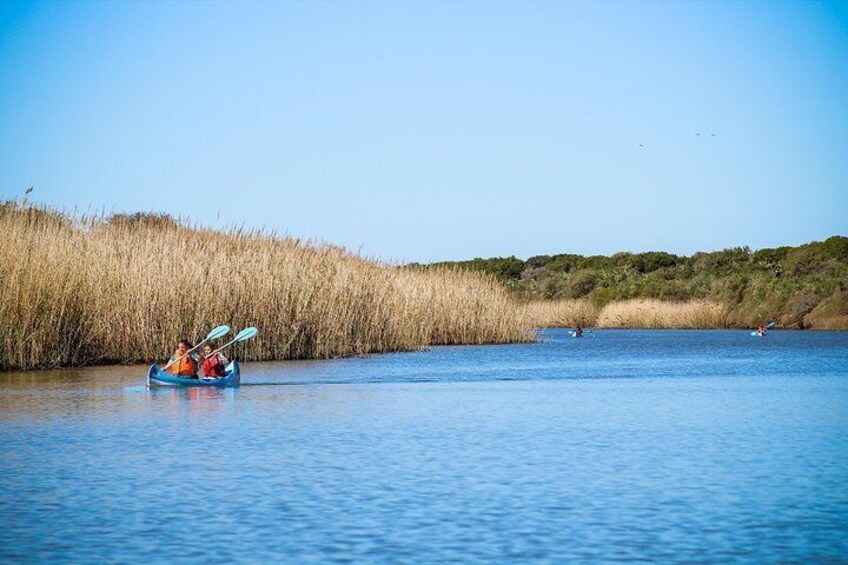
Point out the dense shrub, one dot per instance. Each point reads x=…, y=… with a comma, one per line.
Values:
x=781, y=283
x=836, y=247
x=502, y=267
x=581, y=284
x=649, y=262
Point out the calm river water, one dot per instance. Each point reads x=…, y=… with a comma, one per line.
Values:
x=669, y=446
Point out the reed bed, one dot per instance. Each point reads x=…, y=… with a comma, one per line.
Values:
x=637, y=313
x=650, y=313
x=84, y=290
x=560, y=313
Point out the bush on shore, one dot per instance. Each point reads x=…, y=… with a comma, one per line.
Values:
x=791, y=285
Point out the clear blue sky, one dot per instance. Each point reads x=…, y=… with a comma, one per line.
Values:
x=439, y=130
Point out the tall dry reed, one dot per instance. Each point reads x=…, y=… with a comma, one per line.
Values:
x=560, y=313
x=638, y=313
x=649, y=313
x=77, y=291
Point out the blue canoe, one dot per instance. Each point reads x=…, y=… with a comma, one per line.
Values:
x=157, y=377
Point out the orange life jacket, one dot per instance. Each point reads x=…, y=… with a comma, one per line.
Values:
x=185, y=366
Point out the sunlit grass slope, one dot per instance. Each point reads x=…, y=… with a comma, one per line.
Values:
x=124, y=289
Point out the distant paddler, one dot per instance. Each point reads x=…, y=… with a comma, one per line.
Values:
x=578, y=331
x=762, y=329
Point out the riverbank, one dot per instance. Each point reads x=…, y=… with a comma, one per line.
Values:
x=123, y=289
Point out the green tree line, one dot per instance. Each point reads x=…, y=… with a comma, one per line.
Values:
x=793, y=285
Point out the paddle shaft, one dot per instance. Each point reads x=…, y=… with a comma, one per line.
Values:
x=243, y=335
x=222, y=347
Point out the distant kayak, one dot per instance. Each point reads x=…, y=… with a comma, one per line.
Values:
x=761, y=330
x=575, y=334
x=157, y=377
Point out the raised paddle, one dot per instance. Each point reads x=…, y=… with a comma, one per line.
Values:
x=770, y=325
x=243, y=335
x=220, y=331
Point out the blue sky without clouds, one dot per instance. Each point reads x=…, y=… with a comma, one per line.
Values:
x=439, y=130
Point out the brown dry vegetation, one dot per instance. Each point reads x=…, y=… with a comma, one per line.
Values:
x=637, y=313
x=650, y=313
x=76, y=291
x=560, y=313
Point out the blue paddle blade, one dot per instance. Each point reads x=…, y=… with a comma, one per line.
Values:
x=220, y=331
x=770, y=325
x=246, y=333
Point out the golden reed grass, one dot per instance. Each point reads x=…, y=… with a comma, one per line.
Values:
x=637, y=313
x=76, y=291
x=649, y=313
x=560, y=313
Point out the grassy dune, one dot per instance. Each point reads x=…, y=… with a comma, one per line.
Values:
x=76, y=291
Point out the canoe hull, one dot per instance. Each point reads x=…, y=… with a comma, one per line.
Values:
x=156, y=377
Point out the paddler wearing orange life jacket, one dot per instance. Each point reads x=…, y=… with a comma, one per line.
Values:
x=185, y=367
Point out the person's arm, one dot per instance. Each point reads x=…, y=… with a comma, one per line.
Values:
x=171, y=366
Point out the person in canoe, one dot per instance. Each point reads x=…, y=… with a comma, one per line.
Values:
x=578, y=331
x=181, y=364
x=213, y=364
x=761, y=329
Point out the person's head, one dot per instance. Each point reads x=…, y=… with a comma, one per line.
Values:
x=207, y=349
x=183, y=346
